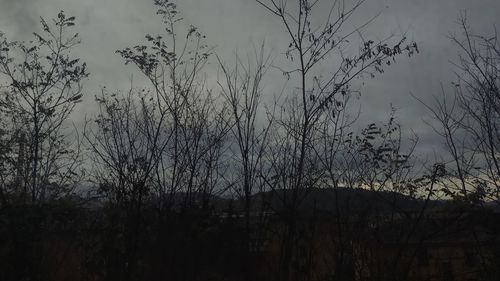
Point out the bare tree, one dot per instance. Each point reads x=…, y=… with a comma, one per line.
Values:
x=468, y=119
x=40, y=154
x=242, y=89
x=44, y=85
x=375, y=166
x=8, y=171
x=173, y=66
x=312, y=45
x=125, y=157
x=161, y=145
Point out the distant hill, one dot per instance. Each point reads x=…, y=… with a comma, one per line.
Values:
x=333, y=200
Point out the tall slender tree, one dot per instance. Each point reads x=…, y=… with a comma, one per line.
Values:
x=44, y=85
x=314, y=44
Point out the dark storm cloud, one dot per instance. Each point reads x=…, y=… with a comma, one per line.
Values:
x=108, y=25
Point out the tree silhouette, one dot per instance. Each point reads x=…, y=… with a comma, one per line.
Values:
x=467, y=120
x=44, y=85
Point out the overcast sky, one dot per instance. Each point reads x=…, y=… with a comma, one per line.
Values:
x=108, y=25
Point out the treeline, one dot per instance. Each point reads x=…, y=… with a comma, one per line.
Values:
x=184, y=180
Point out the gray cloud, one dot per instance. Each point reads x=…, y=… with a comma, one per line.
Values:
x=17, y=19
x=108, y=25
